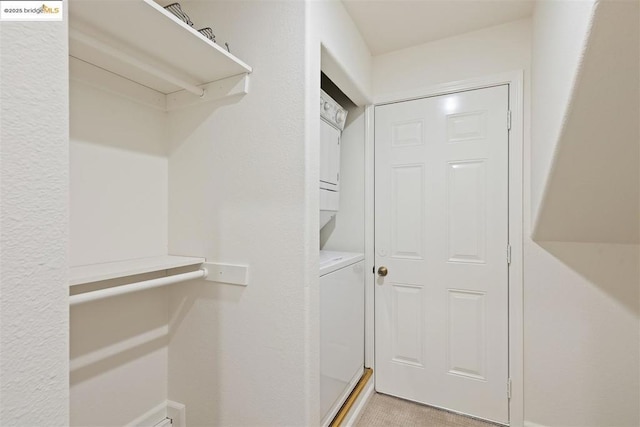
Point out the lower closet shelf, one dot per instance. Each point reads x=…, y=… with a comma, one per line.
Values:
x=113, y=270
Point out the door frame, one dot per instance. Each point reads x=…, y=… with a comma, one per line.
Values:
x=515, y=80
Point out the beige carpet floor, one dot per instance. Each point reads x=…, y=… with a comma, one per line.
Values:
x=387, y=411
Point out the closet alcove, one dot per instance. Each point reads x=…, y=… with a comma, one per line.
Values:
x=132, y=63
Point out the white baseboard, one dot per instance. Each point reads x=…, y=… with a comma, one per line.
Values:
x=168, y=409
x=530, y=424
x=356, y=410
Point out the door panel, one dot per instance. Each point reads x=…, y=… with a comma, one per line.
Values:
x=466, y=216
x=466, y=333
x=407, y=215
x=441, y=203
x=407, y=325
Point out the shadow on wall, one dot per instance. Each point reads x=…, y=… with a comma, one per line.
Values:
x=191, y=119
x=326, y=231
x=118, y=357
x=108, y=333
x=128, y=125
x=614, y=269
x=581, y=333
x=196, y=363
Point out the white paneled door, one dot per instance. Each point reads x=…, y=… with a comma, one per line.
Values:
x=441, y=232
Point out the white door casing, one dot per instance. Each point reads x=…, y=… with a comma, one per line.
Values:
x=441, y=229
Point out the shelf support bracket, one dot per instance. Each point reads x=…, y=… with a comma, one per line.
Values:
x=227, y=273
x=220, y=89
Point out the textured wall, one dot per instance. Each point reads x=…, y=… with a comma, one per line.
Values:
x=34, y=222
x=238, y=355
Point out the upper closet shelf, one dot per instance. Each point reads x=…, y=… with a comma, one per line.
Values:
x=113, y=270
x=139, y=40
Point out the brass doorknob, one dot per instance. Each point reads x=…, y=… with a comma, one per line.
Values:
x=382, y=271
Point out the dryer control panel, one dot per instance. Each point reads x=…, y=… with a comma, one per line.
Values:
x=331, y=111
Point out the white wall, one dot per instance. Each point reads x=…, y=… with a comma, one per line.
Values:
x=237, y=194
x=559, y=33
x=490, y=51
x=118, y=205
x=581, y=299
x=34, y=222
x=346, y=60
x=581, y=334
x=119, y=176
x=595, y=148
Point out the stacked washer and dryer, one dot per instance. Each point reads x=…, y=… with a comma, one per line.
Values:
x=341, y=280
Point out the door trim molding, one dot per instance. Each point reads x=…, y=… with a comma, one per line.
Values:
x=369, y=240
x=515, y=80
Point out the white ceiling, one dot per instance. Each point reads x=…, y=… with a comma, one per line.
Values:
x=389, y=25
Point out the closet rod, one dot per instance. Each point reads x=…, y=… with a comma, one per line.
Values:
x=135, y=287
x=148, y=68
